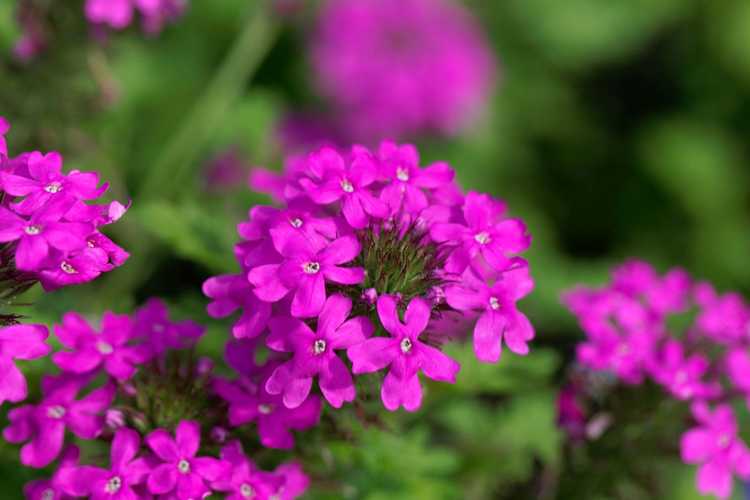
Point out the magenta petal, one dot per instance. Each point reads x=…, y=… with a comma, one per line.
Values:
x=279, y=379
x=340, y=251
x=12, y=382
x=11, y=225
x=396, y=392
x=188, y=438
x=24, y=341
x=389, y=315
x=309, y=297
x=336, y=383
x=435, y=176
x=124, y=448
x=696, y=445
x=344, y=275
x=438, y=366
x=417, y=316
x=162, y=444
x=488, y=335
x=268, y=286
x=296, y=391
x=715, y=477
x=354, y=213
x=373, y=354
x=334, y=313
x=464, y=299
x=45, y=446
x=30, y=253
x=82, y=361
x=353, y=332
x=518, y=333
x=445, y=232
x=209, y=468
x=163, y=478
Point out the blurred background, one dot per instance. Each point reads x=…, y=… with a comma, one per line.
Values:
x=615, y=129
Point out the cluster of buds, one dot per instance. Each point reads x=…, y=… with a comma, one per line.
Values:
x=706, y=364
x=48, y=231
x=369, y=263
x=147, y=398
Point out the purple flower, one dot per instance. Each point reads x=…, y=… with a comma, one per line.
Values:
x=682, y=375
x=401, y=67
x=251, y=402
x=117, y=482
x=486, y=232
x=314, y=353
x=181, y=471
x=715, y=445
x=40, y=234
x=305, y=271
x=19, y=342
x=111, y=348
x=245, y=480
x=404, y=353
x=118, y=14
x=46, y=489
x=499, y=318
x=232, y=292
x=44, y=425
x=347, y=184
x=295, y=481
x=406, y=180
x=152, y=324
x=46, y=183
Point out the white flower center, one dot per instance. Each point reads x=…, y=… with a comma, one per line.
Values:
x=113, y=485
x=104, y=347
x=402, y=174
x=723, y=441
x=311, y=267
x=183, y=466
x=319, y=346
x=347, y=186
x=53, y=187
x=33, y=230
x=296, y=222
x=56, y=412
x=482, y=238
x=48, y=494
x=623, y=350
x=406, y=345
x=265, y=408
x=247, y=491
x=494, y=303
x=68, y=268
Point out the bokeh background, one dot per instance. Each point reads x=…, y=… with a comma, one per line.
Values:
x=616, y=129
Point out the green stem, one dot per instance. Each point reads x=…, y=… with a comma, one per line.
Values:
x=179, y=158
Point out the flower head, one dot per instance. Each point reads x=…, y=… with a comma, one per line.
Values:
x=19, y=342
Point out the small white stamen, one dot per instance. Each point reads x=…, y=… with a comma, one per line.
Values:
x=482, y=238
x=48, y=494
x=68, y=268
x=319, y=347
x=56, y=412
x=347, y=186
x=296, y=222
x=723, y=441
x=494, y=303
x=265, y=409
x=183, y=466
x=247, y=491
x=406, y=345
x=311, y=267
x=33, y=230
x=53, y=187
x=90, y=244
x=402, y=174
x=104, y=347
x=113, y=485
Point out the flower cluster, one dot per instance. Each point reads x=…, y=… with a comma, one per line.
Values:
x=47, y=230
x=133, y=386
x=401, y=67
x=706, y=364
x=358, y=270
x=119, y=14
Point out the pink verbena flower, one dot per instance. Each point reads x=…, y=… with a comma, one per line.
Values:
x=314, y=353
x=683, y=375
x=118, y=14
x=401, y=67
x=181, y=471
x=126, y=472
x=44, y=424
x=45, y=489
x=153, y=326
x=715, y=445
x=499, y=318
x=352, y=229
x=19, y=342
x=245, y=480
x=404, y=353
x=111, y=348
x=48, y=224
